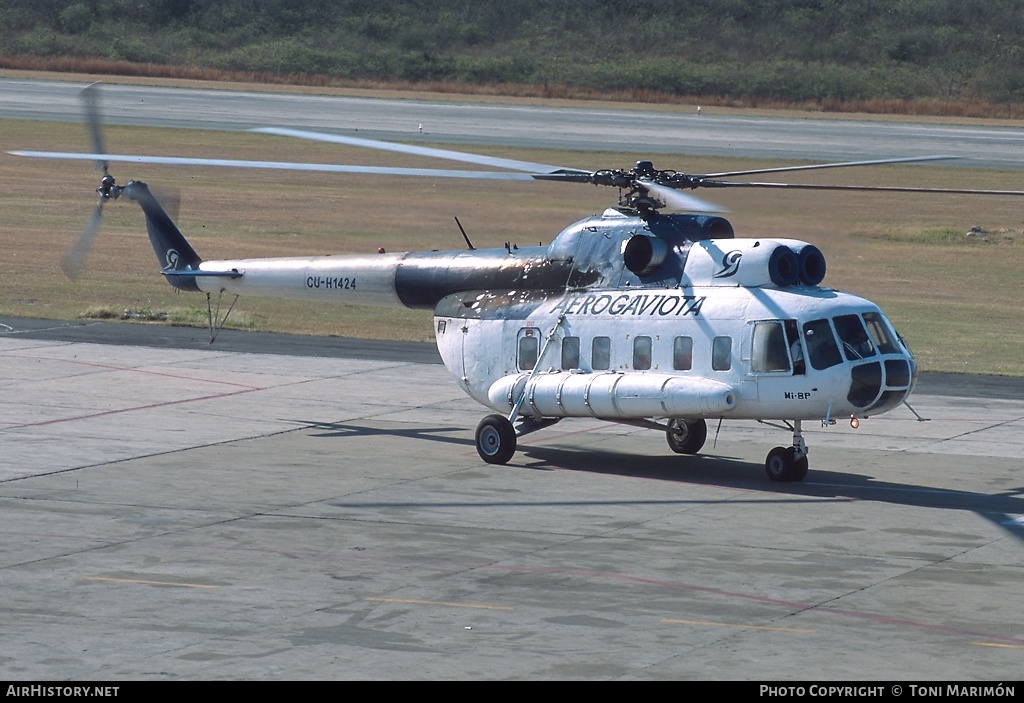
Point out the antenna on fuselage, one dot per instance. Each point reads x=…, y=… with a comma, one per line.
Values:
x=464, y=235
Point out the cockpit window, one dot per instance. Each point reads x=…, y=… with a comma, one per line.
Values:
x=881, y=333
x=856, y=344
x=821, y=344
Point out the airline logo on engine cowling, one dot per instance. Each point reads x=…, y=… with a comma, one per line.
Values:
x=730, y=265
x=635, y=304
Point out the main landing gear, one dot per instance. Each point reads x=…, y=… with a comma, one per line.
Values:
x=686, y=436
x=495, y=439
x=496, y=435
x=788, y=463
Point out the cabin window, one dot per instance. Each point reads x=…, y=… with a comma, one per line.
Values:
x=529, y=348
x=856, y=344
x=770, y=352
x=682, y=353
x=601, y=356
x=642, y=349
x=821, y=345
x=570, y=353
x=721, y=353
x=881, y=333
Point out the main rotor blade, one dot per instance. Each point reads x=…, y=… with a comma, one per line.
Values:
x=91, y=99
x=841, y=164
x=677, y=200
x=278, y=165
x=898, y=189
x=416, y=150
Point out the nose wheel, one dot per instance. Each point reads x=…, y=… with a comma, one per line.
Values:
x=783, y=466
x=786, y=464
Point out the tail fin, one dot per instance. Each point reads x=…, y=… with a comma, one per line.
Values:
x=172, y=249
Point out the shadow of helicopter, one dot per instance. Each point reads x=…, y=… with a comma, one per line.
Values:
x=350, y=429
x=999, y=509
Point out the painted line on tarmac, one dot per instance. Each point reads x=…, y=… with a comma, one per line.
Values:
x=739, y=625
x=167, y=404
x=415, y=601
x=998, y=645
x=149, y=582
x=109, y=367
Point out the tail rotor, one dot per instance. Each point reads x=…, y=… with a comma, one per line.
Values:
x=73, y=260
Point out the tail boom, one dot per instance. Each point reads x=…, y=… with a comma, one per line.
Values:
x=355, y=280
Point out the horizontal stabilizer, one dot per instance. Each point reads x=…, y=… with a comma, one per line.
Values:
x=233, y=273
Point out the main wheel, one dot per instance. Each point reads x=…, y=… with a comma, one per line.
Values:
x=495, y=439
x=780, y=465
x=686, y=436
x=800, y=469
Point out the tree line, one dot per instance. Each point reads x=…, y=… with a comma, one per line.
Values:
x=818, y=51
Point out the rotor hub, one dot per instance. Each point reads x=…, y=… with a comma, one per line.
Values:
x=108, y=188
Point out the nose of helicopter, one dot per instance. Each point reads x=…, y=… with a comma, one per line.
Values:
x=879, y=386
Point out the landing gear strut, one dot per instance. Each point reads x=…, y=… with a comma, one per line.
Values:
x=788, y=463
x=496, y=435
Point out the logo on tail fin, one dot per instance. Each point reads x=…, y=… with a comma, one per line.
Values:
x=172, y=258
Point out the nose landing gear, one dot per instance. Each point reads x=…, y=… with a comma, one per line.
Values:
x=786, y=464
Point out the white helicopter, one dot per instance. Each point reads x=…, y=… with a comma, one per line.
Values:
x=637, y=316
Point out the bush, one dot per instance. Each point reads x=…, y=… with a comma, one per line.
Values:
x=75, y=19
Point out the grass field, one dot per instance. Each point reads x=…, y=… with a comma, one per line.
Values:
x=958, y=300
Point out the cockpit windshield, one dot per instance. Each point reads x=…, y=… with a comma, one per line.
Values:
x=859, y=336
x=821, y=345
x=881, y=333
x=856, y=344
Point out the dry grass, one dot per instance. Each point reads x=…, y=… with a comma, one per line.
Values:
x=958, y=302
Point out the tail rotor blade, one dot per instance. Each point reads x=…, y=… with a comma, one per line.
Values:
x=91, y=102
x=169, y=198
x=74, y=258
